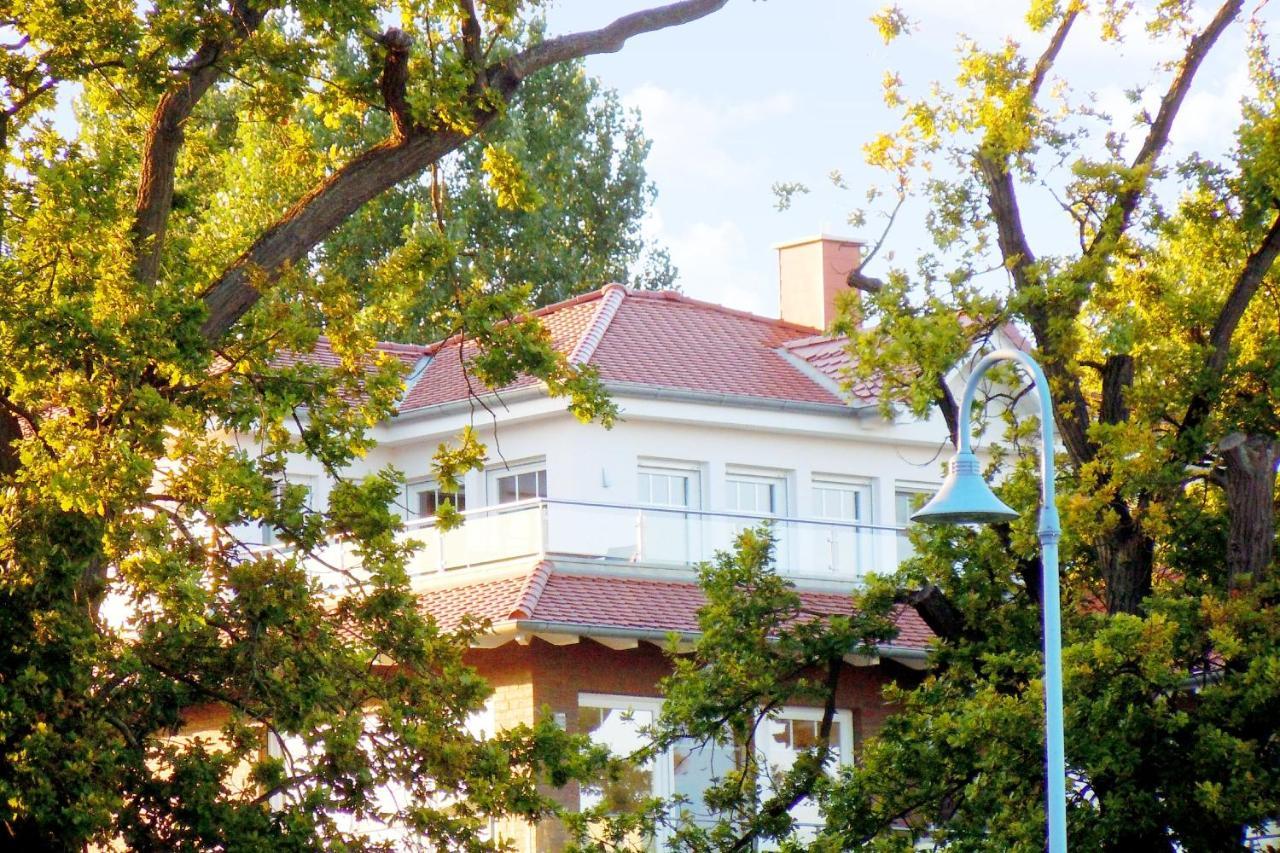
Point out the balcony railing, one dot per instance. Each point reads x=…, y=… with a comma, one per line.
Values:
x=650, y=536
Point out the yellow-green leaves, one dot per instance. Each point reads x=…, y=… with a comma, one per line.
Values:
x=508, y=180
x=891, y=22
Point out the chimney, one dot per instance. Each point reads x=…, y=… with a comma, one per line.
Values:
x=810, y=274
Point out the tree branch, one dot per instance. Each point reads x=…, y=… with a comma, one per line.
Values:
x=1246, y=285
x=609, y=39
x=942, y=617
x=381, y=167
x=1050, y=55
x=1119, y=214
x=395, y=80
x=165, y=137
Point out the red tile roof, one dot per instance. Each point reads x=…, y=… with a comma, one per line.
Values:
x=445, y=379
x=662, y=340
x=545, y=595
x=830, y=357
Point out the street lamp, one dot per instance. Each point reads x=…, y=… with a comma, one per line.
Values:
x=965, y=498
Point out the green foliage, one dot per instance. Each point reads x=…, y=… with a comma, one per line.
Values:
x=1158, y=336
x=153, y=668
x=758, y=649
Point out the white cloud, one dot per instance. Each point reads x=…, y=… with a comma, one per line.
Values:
x=717, y=264
x=694, y=137
x=1210, y=115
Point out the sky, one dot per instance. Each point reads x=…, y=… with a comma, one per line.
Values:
x=788, y=90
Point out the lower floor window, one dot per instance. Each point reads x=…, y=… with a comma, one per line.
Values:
x=690, y=767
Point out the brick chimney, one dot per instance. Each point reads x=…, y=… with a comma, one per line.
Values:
x=810, y=274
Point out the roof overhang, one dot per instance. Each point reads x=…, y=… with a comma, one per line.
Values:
x=522, y=631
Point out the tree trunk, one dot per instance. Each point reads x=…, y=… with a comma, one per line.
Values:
x=1127, y=557
x=1250, y=491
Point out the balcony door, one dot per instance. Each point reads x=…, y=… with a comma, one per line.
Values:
x=760, y=496
x=841, y=548
x=666, y=531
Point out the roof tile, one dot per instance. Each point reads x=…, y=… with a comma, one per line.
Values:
x=607, y=601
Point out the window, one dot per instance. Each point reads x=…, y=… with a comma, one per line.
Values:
x=674, y=487
x=666, y=533
x=906, y=500
x=838, y=547
x=689, y=768
x=424, y=498
x=842, y=501
x=520, y=485
x=617, y=722
x=754, y=494
x=780, y=741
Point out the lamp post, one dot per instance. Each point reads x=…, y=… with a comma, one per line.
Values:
x=965, y=498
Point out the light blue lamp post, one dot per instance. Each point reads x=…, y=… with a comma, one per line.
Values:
x=965, y=498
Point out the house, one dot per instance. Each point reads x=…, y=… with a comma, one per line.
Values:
x=580, y=543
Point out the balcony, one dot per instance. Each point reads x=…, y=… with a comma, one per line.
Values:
x=649, y=537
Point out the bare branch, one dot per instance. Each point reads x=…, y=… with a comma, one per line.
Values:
x=608, y=39
x=165, y=137
x=1050, y=55
x=1116, y=221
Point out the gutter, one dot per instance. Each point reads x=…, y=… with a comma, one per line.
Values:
x=683, y=395
x=645, y=392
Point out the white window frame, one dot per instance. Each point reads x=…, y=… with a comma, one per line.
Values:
x=672, y=468
x=311, y=481
x=415, y=486
x=902, y=487
x=863, y=485
x=777, y=479
x=497, y=472
x=664, y=765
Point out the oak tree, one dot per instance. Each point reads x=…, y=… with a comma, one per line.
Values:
x=160, y=265
x=1157, y=329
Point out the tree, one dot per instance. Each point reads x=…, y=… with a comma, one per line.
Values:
x=1158, y=337
x=574, y=223
x=158, y=270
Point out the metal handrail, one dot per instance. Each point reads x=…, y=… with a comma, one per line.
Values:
x=429, y=522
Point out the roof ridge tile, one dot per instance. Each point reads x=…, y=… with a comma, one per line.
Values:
x=532, y=591
x=611, y=299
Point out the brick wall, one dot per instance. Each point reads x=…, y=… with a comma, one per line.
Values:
x=541, y=678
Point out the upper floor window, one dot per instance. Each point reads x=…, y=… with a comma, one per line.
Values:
x=842, y=500
x=668, y=486
x=755, y=494
x=520, y=483
x=424, y=497
x=906, y=500
x=270, y=535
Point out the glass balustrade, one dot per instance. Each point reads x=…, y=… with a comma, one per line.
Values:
x=649, y=536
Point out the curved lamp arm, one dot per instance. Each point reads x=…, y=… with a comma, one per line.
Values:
x=1049, y=523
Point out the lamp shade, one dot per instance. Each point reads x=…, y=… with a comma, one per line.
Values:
x=965, y=498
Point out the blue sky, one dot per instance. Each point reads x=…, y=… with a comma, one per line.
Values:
x=787, y=90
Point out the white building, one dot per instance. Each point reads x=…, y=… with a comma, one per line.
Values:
x=579, y=542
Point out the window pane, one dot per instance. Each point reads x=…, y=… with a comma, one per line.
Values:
x=619, y=730
x=507, y=489
x=542, y=484
x=697, y=766
x=781, y=742
x=427, y=503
